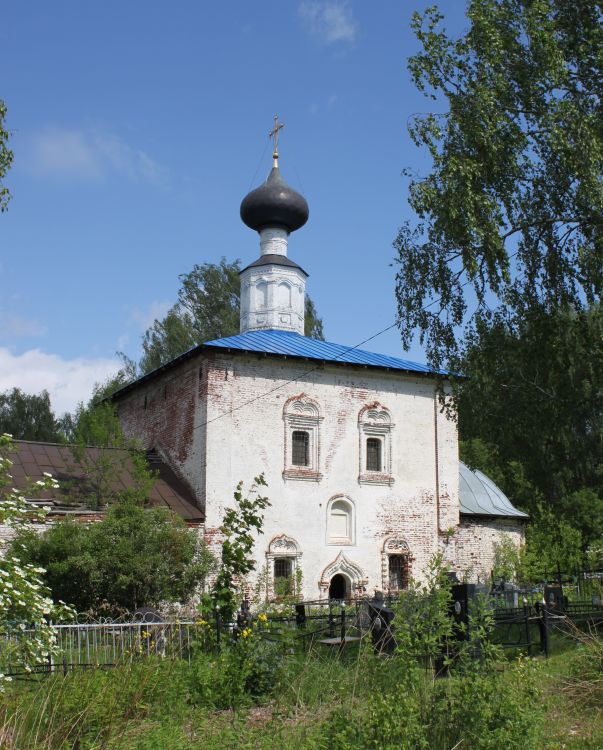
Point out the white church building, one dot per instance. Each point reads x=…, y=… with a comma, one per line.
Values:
x=361, y=462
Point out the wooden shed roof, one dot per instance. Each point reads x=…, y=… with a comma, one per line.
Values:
x=80, y=471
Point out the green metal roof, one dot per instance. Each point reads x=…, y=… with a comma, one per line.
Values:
x=479, y=496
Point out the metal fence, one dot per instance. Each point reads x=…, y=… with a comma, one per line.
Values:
x=93, y=645
x=87, y=645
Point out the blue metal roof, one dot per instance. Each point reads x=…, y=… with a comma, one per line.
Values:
x=290, y=344
x=479, y=496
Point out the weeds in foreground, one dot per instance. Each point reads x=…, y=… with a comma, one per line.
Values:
x=317, y=701
x=254, y=694
x=583, y=685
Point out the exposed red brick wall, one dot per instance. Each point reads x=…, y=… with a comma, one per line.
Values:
x=165, y=414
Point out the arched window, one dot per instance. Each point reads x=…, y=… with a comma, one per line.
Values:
x=375, y=431
x=302, y=438
x=284, y=294
x=340, y=521
x=261, y=292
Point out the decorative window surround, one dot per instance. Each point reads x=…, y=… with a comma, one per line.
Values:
x=301, y=414
x=340, y=513
x=283, y=546
x=374, y=421
x=393, y=546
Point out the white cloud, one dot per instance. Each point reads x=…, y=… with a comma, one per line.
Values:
x=315, y=108
x=68, y=381
x=89, y=155
x=329, y=21
x=145, y=318
x=14, y=326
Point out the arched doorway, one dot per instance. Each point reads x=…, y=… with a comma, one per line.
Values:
x=338, y=588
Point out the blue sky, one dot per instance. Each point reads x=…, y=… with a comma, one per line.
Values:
x=139, y=127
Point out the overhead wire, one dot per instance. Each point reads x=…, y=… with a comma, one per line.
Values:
x=318, y=367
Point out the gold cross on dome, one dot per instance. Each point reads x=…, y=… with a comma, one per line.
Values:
x=274, y=133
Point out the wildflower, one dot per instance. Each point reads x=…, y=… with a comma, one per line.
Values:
x=262, y=617
x=201, y=622
x=246, y=632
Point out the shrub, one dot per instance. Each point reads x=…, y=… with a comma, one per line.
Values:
x=237, y=675
x=133, y=557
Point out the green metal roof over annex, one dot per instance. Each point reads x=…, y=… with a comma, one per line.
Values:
x=479, y=496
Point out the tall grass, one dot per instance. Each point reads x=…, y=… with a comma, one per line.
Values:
x=299, y=701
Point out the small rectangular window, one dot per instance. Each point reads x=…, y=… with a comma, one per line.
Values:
x=283, y=576
x=300, y=453
x=398, y=572
x=373, y=454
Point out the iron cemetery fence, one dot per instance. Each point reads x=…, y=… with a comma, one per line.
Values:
x=522, y=619
x=104, y=644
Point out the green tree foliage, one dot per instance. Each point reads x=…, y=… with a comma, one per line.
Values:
x=207, y=308
x=513, y=203
x=6, y=158
x=96, y=424
x=134, y=557
x=24, y=599
x=531, y=414
x=551, y=544
x=238, y=526
x=28, y=416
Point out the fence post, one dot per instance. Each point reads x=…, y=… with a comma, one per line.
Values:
x=342, y=625
x=526, y=614
x=543, y=626
x=331, y=622
x=218, y=625
x=560, y=580
x=300, y=615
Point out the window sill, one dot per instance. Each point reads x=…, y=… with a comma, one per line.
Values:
x=308, y=475
x=376, y=478
x=334, y=542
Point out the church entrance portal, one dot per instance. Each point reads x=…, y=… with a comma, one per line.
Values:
x=338, y=588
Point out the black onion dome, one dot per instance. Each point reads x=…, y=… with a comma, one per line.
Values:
x=274, y=204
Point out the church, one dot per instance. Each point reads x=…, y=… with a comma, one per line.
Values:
x=361, y=462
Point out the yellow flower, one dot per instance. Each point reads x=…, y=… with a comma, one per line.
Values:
x=262, y=617
x=201, y=622
x=246, y=633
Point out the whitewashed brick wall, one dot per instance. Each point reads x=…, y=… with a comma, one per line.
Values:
x=475, y=541
x=169, y=414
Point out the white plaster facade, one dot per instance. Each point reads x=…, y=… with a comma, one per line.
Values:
x=410, y=507
x=406, y=509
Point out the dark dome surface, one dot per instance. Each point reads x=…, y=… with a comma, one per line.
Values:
x=274, y=204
